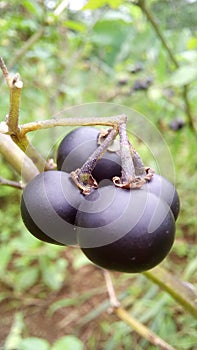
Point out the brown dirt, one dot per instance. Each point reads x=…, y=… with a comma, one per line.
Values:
x=88, y=282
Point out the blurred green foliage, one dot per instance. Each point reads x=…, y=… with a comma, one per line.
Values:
x=100, y=54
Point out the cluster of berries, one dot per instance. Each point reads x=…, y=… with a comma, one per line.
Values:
x=127, y=230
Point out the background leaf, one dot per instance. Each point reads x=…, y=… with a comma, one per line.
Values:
x=53, y=273
x=183, y=76
x=34, y=343
x=68, y=342
x=27, y=278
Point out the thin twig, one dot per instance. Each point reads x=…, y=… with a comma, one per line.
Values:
x=4, y=71
x=29, y=43
x=15, y=95
x=128, y=170
x=83, y=177
x=90, y=163
x=15, y=184
x=139, y=328
x=15, y=85
x=46, y=124
x=110, y=289
x=142, y=330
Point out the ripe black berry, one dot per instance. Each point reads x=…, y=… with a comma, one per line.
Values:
x=125, y=230
x=142, y=84
x=117, y=229
x=164, y=189
x=78, y=145
x=176, y=124
x=49, y=206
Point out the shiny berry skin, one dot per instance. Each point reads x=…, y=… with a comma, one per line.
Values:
x=164, y=189
x=48, y=207
x=125, y=230
x=78, y=145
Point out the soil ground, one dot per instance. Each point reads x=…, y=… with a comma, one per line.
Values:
x=86, y=289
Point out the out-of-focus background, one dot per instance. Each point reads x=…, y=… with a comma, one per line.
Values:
x=110, y=52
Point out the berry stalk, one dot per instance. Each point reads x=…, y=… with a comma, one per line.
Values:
x=133, y=171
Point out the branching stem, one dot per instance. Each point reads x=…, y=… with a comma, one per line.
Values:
x=128, y=170
x=137, y=162
x=110, y=289
x=152, y=20
x=15, y=85
x=99, y=152
x=83, y=121
x=15, y=95
x=5, y=71
x=134, y=174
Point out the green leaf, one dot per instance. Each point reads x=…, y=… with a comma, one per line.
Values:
x=94, y=4
x=5, y=254
x=27, y=278
x=80, y=260
x=175, y=287
x=114, y=3
x=109, y=36
x=192, y=43
x=53, y=273
x=183, y=76
x=68, y=342
x=32, y=343
x=64, y=303
x=79, y=27
x=33, y=7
